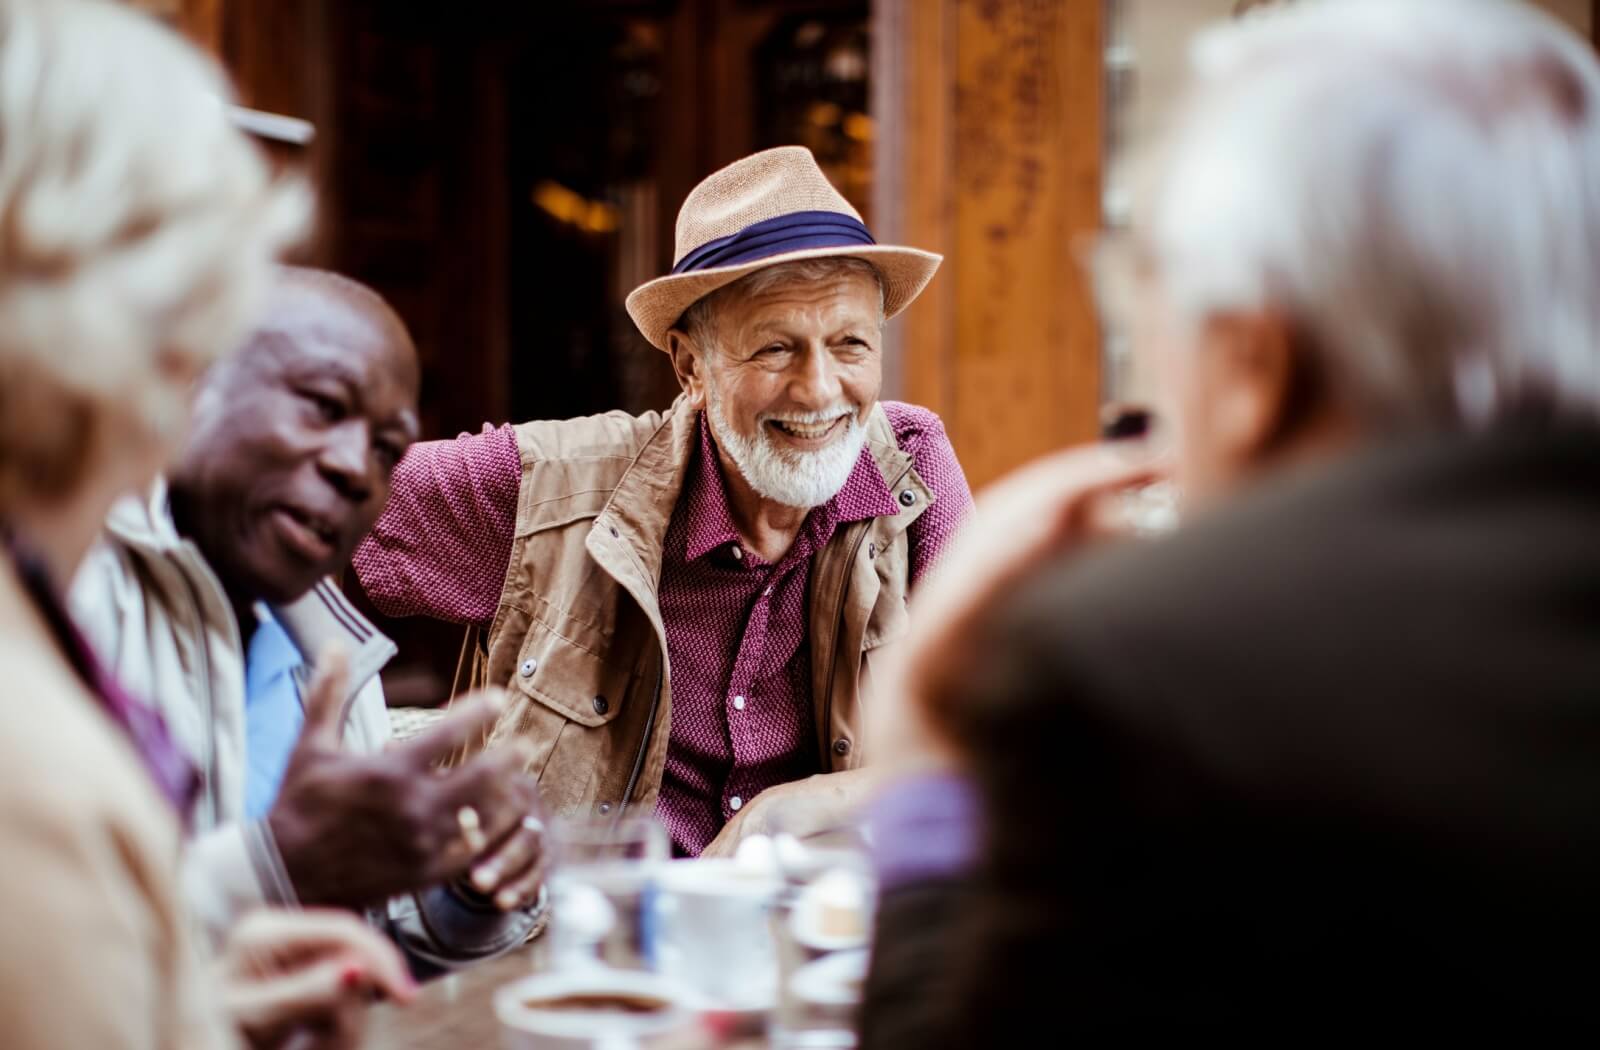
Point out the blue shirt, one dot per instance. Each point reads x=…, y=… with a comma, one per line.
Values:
x=272, y=709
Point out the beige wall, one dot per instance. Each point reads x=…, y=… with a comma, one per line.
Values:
x=1159, y=32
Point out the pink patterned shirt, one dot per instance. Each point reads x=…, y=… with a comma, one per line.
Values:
x=736, y=625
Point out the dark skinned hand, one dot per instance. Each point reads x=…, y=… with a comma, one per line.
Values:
x=355, y=830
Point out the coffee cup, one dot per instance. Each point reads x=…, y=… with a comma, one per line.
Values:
x=593, y=1009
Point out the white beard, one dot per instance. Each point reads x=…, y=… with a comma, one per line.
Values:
x=786, y=477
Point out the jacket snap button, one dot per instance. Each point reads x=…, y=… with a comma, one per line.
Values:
x=872, y=551
x=601, y=706
x=907, y=498
x=605, y=807
x=841, y=747
x=528, y=667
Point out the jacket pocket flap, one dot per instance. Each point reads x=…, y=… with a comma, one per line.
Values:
x=567, y=678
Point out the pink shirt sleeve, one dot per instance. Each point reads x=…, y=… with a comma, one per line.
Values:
x=442, y=545
x=921, y=433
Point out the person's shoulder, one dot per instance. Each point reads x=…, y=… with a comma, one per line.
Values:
x=1261, y=571
x=87, y=833
x=617, y=436
x=64, y=761
x=913, y=424
x=108, y=572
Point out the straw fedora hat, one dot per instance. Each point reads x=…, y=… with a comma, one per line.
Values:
x=772, y=207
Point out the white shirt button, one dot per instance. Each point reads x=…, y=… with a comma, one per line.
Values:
x=735, y=803
x=738, y=703
x=737, y=552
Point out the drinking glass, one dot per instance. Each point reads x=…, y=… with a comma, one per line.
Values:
x=602, y=877
x=822, y=925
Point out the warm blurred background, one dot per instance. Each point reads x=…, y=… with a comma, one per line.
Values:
x=461, y=151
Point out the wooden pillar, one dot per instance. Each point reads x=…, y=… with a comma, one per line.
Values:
x=990, y=119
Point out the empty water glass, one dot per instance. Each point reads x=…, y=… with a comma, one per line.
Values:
x=822, y=926
x=602, y=877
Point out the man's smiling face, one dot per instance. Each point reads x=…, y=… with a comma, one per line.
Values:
x=794, y=373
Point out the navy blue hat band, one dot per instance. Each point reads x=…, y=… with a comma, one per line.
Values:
x=779, y=235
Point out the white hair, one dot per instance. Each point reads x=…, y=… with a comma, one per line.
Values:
x=699, y=322
x=137, y=228
x=1414, y=183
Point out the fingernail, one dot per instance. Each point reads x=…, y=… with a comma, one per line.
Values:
x=484, y=878
x=506, y=900
x=497, y=701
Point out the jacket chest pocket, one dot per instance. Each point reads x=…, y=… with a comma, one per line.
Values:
x=565, y=701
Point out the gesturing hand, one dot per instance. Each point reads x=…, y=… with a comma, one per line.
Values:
x=355, y=830
x=1046, y=507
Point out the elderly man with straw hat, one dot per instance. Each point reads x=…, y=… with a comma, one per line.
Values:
x=686, y=605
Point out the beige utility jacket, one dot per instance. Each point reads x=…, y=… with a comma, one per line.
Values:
x=578, y=616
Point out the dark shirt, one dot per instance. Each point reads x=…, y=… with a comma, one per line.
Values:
x=1324, y=764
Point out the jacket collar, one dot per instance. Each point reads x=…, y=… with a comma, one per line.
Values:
x=634, y=522
x=321, y=617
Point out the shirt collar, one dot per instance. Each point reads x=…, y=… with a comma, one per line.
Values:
x=865, y=495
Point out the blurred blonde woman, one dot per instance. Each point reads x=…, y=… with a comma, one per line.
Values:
x=137, y=232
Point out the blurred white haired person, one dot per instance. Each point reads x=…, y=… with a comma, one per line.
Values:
x=137, y=234
x=1326, y=760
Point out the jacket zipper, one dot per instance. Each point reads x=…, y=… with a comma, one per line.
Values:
x=210, y=764
x=838, y=626
x=644, y=741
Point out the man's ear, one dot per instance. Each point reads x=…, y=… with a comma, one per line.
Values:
x=1249, y=374
x=688, y=366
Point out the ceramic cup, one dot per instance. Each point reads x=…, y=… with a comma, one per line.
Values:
x=592, y=1009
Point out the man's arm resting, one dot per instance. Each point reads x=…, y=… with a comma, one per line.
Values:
x=804, y=806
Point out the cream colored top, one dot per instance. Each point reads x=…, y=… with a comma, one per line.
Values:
x=95, y=949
